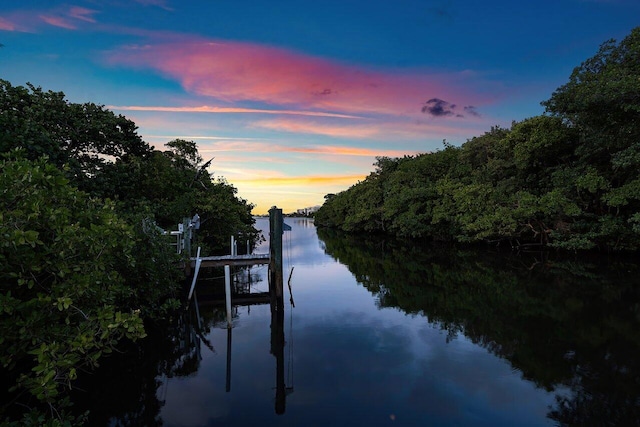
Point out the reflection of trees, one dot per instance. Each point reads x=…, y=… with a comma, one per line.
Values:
x=126, y=390
x=562, y=322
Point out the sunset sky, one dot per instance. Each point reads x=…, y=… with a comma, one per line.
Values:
x=295, y=99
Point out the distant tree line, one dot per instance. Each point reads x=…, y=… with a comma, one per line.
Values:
x=566, y=179
x=83, y=262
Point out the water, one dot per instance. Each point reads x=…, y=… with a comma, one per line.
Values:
x=388, y=334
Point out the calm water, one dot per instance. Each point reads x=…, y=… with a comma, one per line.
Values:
x=385, y=334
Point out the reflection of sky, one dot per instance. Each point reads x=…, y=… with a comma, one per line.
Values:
x=299, y=246
x=350, y=363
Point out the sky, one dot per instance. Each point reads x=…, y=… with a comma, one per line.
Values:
x=293, y=99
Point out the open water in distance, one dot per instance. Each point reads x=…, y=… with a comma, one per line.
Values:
x=386, y=334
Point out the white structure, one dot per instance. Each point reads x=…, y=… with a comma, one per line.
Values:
x=307, y=211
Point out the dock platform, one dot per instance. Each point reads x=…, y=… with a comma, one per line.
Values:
x=231, y=260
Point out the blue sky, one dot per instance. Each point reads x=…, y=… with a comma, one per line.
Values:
x=295, y=99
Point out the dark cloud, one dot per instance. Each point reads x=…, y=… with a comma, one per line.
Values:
x=438, y=108
x=441, y=10
x=471, y=110
x=323, y=92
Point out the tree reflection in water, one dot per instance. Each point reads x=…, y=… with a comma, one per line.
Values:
x=129, y=388
x=565, y=323
x=568, y=324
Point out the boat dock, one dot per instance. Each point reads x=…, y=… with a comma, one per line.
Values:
x=231, y=260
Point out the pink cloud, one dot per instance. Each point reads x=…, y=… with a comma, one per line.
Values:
x=82, y=14
x=248, y=146
x=339, y=131
x=157, y=3
x=58, y=21
x=235, y=71
x=18, y=21
x=7, y=25
x=228, y=110
x=61, y=17
x=379, y=130
x=349, y=151
x=68, y=18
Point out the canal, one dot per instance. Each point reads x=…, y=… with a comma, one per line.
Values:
x=384, y=333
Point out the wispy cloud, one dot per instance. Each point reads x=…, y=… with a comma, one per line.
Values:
x=270, y=147
x=7, y=25
x=19, y=21
x=227, y=110
x=58, y=21
x=82, y=14
x=348, y=151
x=157, y=3
x=233, y=71
x=203, y=137
x=69, y=18
x=328, y=129
x=374, y=130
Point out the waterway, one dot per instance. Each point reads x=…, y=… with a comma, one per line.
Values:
x=379, y=333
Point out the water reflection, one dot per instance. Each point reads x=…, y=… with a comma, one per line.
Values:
x=563, y=323
x=388, y=332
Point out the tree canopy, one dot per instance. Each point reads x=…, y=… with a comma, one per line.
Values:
x=567, y=179
x=83, y=262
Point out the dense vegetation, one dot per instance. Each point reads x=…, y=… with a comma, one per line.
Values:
x=83, y=262
x=567, y=179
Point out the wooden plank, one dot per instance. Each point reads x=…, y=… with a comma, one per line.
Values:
x=238, y=260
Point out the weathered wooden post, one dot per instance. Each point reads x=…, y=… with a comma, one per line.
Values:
x=275, y=248
x=277, y=303
x=186, y=237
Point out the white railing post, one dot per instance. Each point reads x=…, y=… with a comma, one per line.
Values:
x=195, y=274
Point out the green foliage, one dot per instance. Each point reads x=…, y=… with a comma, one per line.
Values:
x=60, y=286
x=84, y=138
x=174, y=184
x=82, y=262
x=568, y=179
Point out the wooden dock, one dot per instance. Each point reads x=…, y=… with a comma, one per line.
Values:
x=231, y=260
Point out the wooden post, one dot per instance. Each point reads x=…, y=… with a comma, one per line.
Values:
x=275, y=248
x=186, y=236
x=277, y=304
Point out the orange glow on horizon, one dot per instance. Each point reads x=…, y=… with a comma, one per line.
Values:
x=291, y=193
x=298, y=181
